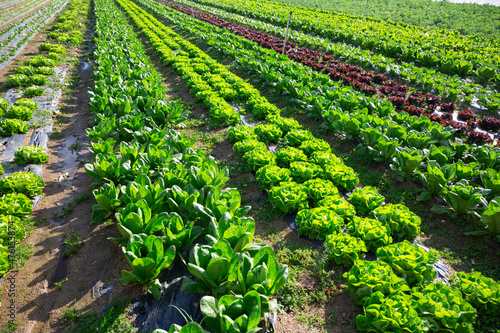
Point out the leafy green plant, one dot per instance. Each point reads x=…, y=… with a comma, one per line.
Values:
x=389, y=314
x=285, y=156
x=314, y=145
x=318, y=189
x=288, y=196
x=296, y=136
x=374, y=233
x=438, y=306
x=19, y=112
x=268, y=133
x=147, y=258
x=22, y=182
x=241, y=147
x=39, y=61
x=318, y=222
x=9, y=127
x=272, y=175
x=410, y=262
x=232, y=314
x=341, y=175
x=31, y=154
x=257, y=158
x=18, y=80
x=240, y=133
x=406, y=161
x=33, y=91
x=16, y=204
x=404, y=223
x=491, y=181
x=462, y=198
x=368, y=277
x=481, y=291
x=339, y=205
x=435, y=179
x=366, y=199
x=490, y=218
x=303, y=171
x=344, y=249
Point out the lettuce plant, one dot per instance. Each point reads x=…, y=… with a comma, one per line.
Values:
x=191, y=327
x=435, y=179
x=257, y=158
x=320, y=188
x=318, y=222
x=147, y=257
x=268, y=133
x=11, y=224
x=339, y=205
x=31, y=154
x=18, y=80
x=232, y=314
x=389, y=314
x=39, y=61
x=311, y=146
x=22, y=182
x=481, y=291
x=272, y=175
x=443, y=308
x=26, y=102
x=344, y=249
x=403, y=222
x=9, y=127
x=490, y=218
x=285, y=156
x=4, y=105
x=303, y=171
x=491, y=181
x=240, y=133
x=285, y=124
x=374, y=233
x=33, y=91
x=410, y=262
x=38, y=80
x=295, y=137
x=241, y=147
x=462, y=198
x=16, y=204
x=406, y=161
x=19, y=112
x=288, y=196
x=367, y=277
x=341, y=175
x=324, y=158
x=366, y=199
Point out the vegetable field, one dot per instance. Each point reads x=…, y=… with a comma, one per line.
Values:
x=249, y=166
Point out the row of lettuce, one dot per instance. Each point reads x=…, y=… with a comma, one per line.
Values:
x=18, y=9
x=463, y=174
x=29, y=26
x=19, y=188
x=449, y=88
x=446, y=51
x=302, y=174
x=476, y=128
x=164, y=193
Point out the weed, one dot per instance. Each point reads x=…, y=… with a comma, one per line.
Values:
x=67, y=209
x=81, y=198
x=24, y=251
x=75, y=147
x=56, y=133
x=58, y=285
x=11, y=327
x=113, y=321
x=73, y=243
x=70, y=315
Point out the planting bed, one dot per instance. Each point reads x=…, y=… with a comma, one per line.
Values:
x=175, y=166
